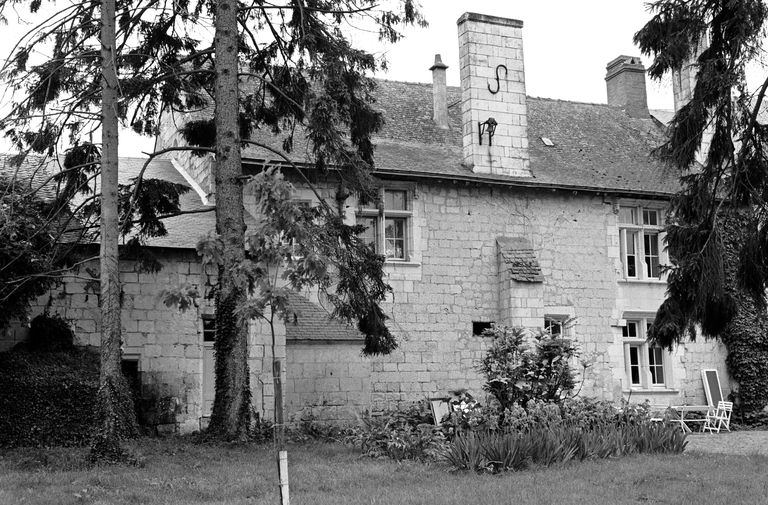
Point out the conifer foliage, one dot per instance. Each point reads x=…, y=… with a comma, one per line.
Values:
x=734, y=174
x=285, y=67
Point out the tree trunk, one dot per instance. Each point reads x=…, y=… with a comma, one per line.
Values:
x=114, y=405
x=231, y=414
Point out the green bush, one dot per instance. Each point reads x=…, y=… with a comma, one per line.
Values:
x=46, y=399
x=516, y=373
x=50, y=334
x=398, y=434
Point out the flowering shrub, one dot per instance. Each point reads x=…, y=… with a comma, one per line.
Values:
x=467, y=414
x=516, y=373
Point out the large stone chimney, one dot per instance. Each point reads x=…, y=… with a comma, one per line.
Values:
x=684, y=78
x=683, y=84
x=439, y=93
x=625, y=81
x=493, y=91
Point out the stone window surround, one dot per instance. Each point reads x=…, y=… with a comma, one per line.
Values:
x=640, y=206
x=211, y=320
x=565, y=315
x=642, y=319
x=381, y=213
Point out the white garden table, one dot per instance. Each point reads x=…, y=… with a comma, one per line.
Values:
x=683, y=409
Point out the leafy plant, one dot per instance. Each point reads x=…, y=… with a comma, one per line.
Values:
x=398, y=434
x=466, y=414
x=47, y=399
x=516, y=373
x=544, y=444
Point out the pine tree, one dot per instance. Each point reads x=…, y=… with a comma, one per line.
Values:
x=734, y=174
x=293, y=68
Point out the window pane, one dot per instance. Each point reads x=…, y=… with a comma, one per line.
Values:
x=651, y=243
x=395, y=200
x=656, y=363
x=394, y=234
x=553, y=326
x=209, y=329
x=628, y=215
x=634, y=365
x=630, y=255
x=394, y=228
x=651, y=217
x=369, y=236
x=630, y=330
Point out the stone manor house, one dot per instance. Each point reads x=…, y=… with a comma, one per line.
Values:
x=496, y=207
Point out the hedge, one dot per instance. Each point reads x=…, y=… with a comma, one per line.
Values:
x=46, y=399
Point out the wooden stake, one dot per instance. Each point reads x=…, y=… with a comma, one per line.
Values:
x=282, y=471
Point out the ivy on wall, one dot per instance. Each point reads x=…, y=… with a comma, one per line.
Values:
x=746, y=337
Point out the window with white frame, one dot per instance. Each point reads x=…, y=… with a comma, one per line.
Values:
x=640, y=232
x=645, y=364
x=388, y=226
x=556, y=325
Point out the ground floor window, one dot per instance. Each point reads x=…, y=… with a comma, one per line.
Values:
x=209, y=328
x=645, y=364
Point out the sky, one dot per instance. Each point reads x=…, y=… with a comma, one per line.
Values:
x=566, y=43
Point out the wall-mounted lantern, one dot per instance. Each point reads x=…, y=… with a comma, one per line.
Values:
x=490, y=126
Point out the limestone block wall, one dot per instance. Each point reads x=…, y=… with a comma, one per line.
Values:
x=327, y=382
x=456, y=281
x=166, y=342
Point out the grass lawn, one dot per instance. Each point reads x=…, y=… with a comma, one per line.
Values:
x=179, y=472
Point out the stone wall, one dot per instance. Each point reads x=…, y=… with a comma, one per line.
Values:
x=166, y=343
x=456, y=281
x=451, y=279
x=327, y=382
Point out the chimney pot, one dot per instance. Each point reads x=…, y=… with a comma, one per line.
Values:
x=439, y=93
x=625, y=83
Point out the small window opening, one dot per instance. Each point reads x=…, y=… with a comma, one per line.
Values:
x=478, y=327
x=130, y=369
x=209, y=329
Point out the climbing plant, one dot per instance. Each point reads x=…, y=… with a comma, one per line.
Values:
x=746, y=337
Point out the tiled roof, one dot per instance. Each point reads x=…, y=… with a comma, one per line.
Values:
x=596, y=146
x=520, y=258
x=186, y=230
x=312, y=323
x=33, y=174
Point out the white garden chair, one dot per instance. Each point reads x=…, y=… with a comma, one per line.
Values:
x=718, y=418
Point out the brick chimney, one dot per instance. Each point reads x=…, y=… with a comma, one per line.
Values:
x=493, y=88
x=625, y=81
x=439, y=93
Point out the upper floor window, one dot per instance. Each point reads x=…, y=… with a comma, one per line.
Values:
x=388, y=226
x=640, y=232
x=645, y=364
